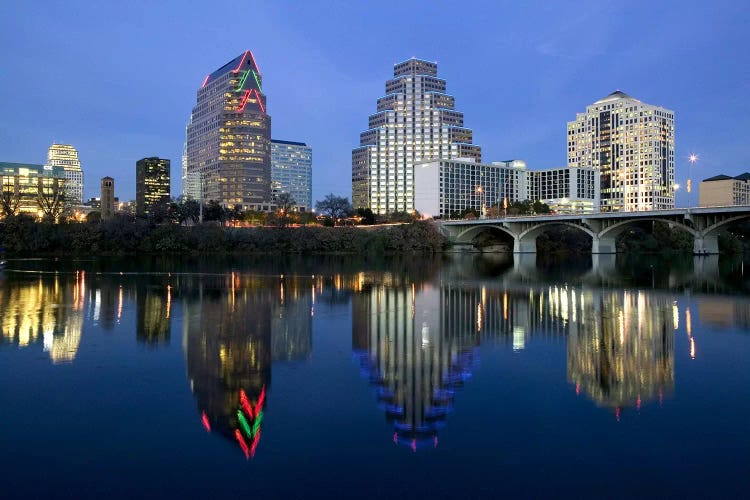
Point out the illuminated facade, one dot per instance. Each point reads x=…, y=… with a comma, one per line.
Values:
x=66, y=156
x=36, y=190
x=291, y=171
x=228, y=146
x=108, y=198
x=151, y=184
x=632, y=145
x=724, y=191
x=415, y=121
x=415, y=364
x=444, y=188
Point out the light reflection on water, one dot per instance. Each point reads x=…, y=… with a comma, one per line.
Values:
x=417, y=332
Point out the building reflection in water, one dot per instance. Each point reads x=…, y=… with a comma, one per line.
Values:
x=414, y=362
x=234, y=327
x=621, y=352
x=154, y=311
x=50, y=310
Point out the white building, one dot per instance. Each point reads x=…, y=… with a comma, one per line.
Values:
x=66, y=156
x=632, y=145
x=723, y=191
x=444, y=188
x=415, y=121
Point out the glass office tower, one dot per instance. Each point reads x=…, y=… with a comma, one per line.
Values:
x=152, y=181
x=228, y=147
x=66, y=156
x=291, y=171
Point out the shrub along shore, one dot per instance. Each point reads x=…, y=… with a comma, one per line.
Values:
x=22, y=236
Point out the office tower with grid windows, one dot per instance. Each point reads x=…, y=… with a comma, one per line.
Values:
x=415, y=121
x=291, y=171
x=631, y=143
x=66, y=156
x=228, y=145
x=152, y=184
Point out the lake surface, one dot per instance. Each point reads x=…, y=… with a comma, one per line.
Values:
x=416, y=377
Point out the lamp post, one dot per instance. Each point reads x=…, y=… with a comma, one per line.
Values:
x=480, y=190
x=691, y=160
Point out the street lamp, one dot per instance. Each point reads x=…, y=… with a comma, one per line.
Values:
x=480, y=190
x=691, y=160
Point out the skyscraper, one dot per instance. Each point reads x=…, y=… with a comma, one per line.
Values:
x=108, y=198
x=151, y=184
x=632, y=145
x=415, y=121
x=66, y=156
x=228, y=146
x=291, y=171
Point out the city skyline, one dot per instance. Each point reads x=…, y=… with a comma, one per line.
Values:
x=525, y=84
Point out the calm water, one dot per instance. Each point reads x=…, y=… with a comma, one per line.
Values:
x=350, y=378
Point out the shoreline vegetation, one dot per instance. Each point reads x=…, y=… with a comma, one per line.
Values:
x=23, y=236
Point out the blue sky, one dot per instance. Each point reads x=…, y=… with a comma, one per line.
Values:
x=118, y=79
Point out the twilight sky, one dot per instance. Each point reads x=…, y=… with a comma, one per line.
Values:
x=118, y=79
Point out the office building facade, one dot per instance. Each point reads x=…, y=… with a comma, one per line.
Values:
x=36, y=190
x=152, y=184
x=291, y=171
x=228, y=144
x=631, y=144
x=66, y=156
x=107, y=200
x=445, y=188
x=724, y=191
x=415, y=121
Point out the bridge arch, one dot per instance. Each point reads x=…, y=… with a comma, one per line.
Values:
x=468, y=235
x=618, y=228
x=526, y=241
x=716, y=228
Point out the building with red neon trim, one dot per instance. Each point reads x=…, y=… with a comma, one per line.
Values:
x=228, y=139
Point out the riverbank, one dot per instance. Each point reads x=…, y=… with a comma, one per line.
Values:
x=21, y=236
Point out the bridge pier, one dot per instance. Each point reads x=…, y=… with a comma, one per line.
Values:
x=526, y=245
x=705, y=245
x=605, y=244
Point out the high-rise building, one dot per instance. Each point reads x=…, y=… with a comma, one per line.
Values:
x=66, y=156
x=415, y=121
x=151, y=184
x=291, y=171
x=108, y=198
x=228, y=146
x=723, y=190
x=631, y=143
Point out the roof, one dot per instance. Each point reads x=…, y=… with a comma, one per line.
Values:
x=722, y=177
x=291, y=143
x=614, y=96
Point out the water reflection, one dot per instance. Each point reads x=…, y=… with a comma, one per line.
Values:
x=234, y=327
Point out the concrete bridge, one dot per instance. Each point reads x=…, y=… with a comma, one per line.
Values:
x=703, y=223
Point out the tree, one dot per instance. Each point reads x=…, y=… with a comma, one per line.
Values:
x=189, y=211
x=214, y=211
x=10, y=200
x=285, y=202
x=334, y=207
x=50, y=198
x=368, y=217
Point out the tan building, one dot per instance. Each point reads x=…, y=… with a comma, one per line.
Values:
x=724, y=191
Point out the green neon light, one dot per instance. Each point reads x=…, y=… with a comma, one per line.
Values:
x=255, y=75
x=244, y=424
x=256, y=424
x=242, y=81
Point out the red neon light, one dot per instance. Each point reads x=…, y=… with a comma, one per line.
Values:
x=205, y=81
x=244, y=100
x=261, y=398
x=237, y=69
x=262, y=108
x=256, y=440
x=242, y=443
x=254, y=63
x=205, y=421
x=246, y=404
